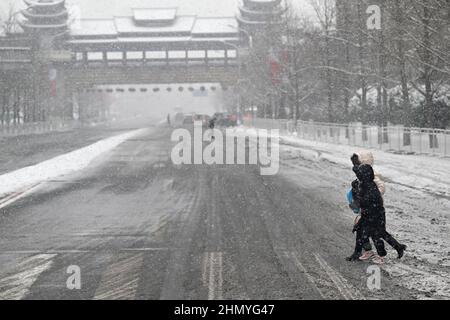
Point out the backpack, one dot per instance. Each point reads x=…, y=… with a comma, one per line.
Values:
x=352, y=204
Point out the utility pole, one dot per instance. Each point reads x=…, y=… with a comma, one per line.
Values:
x=239, y=62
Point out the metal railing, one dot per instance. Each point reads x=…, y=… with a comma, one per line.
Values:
x=391, y=138
x=12, y=130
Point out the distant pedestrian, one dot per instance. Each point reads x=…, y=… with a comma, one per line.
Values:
x=212, y=125
x=168, y=120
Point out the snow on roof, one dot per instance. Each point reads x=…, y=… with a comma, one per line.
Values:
x=94, y=27
x=264, y=1
x=144, y=40
x=154, y=39
x=215, y=26
x=48, y=3
x=154, y=14
x=180, y=25
x=131, y=40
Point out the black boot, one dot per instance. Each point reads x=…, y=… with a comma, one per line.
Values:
x=354, y=257
x=401, y=251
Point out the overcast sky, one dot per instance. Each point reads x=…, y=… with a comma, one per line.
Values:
x=108, y=8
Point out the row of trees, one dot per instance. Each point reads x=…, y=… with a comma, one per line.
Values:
x=26, y=95
x=372, y=61
x=16, y=103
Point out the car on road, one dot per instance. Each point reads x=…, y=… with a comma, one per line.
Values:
x=188, y=119
x=225, y=119
x=203, y=118
x=178, y=119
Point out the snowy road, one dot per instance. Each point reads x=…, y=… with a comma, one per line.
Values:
x=140, y=228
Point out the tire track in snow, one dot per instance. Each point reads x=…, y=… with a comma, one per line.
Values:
x=121, y=279
x=173, y=282
x=212, y=274
x=346, y=289
x=16, y=286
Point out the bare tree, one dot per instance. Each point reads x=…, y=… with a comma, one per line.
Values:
x=430, y=57
x=326, y=14
x=342, y=70
x=10, y=24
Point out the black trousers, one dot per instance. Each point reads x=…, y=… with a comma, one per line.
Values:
x=386, y=236
x=371, y=229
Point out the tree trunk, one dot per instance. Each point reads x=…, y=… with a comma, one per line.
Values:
x=344, y=27
x=427, y=69
x=361, y=57
x=406, y=104
x=4, y=95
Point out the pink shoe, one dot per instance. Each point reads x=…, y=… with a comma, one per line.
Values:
x=367, y=255
x=378, y=260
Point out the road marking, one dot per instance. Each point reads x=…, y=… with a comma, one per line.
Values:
x=121, y=279
x=28, y=252
x=167, y=184
x=347, y=290
x=212, y=274
x=17, y=195
x=17, y=286
x=146, y=249
x=76, y=251
x=66, y=251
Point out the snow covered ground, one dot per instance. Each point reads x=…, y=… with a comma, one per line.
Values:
x=426, y=173
x=417, y=198
x=21, y=181
x=417, y=203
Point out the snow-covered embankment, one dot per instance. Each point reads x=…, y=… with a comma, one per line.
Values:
x=23, y=179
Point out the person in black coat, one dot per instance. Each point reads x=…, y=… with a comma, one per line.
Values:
x=212, y=123
x=373, y=215
x=372, y=208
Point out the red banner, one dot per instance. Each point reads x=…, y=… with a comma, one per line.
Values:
x=53, y=91
x=52, y=76
x=275, y=71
